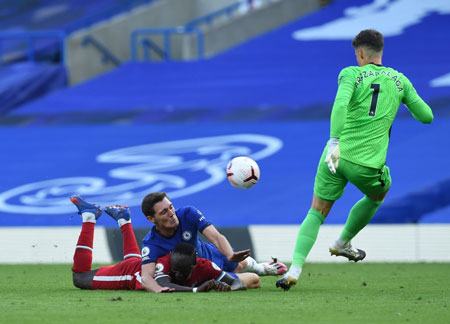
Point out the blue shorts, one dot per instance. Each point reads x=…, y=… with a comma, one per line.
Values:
x=209, y=251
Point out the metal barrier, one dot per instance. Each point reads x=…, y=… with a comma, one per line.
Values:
x=107, y=56
x=149, y=45
x=138, y=39
x=166, y=34
x=30, y=38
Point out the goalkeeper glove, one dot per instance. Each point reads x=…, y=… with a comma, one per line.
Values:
x=332, y=157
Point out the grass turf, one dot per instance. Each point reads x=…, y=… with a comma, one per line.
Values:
x=338, y=293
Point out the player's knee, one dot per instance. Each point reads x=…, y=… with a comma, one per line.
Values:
x=254, y=282
x=82, y=280
x=321, y=205
x=378, y=198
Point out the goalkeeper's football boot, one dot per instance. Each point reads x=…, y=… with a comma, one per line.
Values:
x=85, y=207
x=348, y=251
x=290, y=278
x=118, y=212
x=286, y=282
x=274, y=268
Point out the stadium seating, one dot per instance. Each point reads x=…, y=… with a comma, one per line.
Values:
x=64, y=16
x=67, y=15
x=24, y=81
x=273, y=73
x=271, y=79
x=34, y=31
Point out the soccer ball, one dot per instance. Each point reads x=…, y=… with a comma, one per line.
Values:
x=242, y=172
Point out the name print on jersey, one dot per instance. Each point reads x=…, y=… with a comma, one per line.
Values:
x=367, y=74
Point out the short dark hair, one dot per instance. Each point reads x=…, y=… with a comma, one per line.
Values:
x=182, y=260
x=149, y=202
x=184, y=248
x=370, y=38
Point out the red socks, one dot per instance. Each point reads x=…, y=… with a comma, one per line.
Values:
x=82, y=260
x=130, y=246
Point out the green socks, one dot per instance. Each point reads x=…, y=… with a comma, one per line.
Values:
x=307, y=236
x=360, y=215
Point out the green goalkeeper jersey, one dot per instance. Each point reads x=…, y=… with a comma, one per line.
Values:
x=366, y=104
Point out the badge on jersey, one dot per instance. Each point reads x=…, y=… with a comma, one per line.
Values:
x=187, y=235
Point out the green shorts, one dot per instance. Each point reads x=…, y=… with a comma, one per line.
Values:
x=370, y=181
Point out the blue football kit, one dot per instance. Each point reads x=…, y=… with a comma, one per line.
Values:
x=191, y=223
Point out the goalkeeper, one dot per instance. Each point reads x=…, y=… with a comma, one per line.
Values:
x=364, y=109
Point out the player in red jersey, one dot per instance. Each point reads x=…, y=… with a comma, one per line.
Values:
x=182, y=270
x=200, y=275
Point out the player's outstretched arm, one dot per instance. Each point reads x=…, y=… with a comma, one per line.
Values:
x=339, y=116
x=221, y=286
x=148, y=282
x=164, y=280
x=222, y=244
x=418, y=108
x=421, y=111
x=343, y=95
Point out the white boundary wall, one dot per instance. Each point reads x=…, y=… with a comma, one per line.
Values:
x=48, y=244
x=383, y=243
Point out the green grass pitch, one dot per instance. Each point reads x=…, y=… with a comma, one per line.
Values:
x=327, y=293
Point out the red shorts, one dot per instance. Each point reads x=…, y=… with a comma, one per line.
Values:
x=125, y=275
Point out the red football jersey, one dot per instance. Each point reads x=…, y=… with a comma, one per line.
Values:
x=203, y=271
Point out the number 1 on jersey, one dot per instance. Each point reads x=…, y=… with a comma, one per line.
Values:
x=373, y=103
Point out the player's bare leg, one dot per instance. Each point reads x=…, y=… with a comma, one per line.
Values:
x=306, y=238
x=249, y=280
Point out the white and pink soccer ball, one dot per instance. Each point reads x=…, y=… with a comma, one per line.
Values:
x=243, y=172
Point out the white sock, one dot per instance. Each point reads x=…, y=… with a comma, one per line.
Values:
x=253, y=266
x=123, y=221
x=294, y=271
x=88, y=217
x=340, y=243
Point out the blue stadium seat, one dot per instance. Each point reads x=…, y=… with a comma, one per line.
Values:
x=271, y=79
x=276, y=75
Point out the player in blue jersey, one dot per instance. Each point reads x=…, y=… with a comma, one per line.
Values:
x=180, y=270
x=183, y=225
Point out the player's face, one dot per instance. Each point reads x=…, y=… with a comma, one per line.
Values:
x=165, y=217
x=181, y=275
